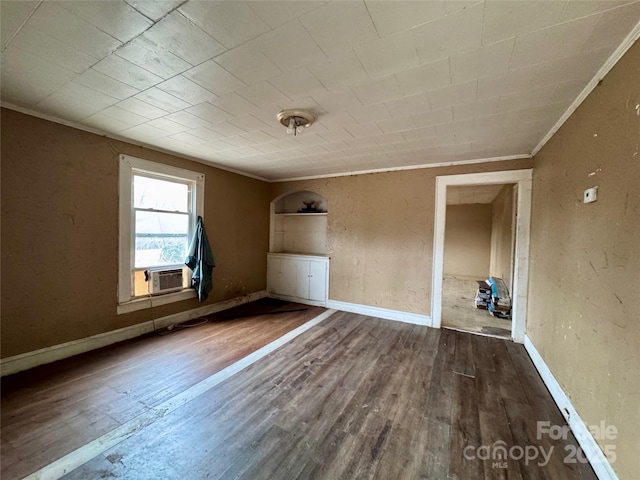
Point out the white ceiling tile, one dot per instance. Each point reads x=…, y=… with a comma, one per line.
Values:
x=506, y=19
x=105, y=123
x=388, y=54
x=454, y=94
x=528, y=99
x=569, y=91
x=214, y=78
x=613, y=26
x=427, y=77
x=248, y=123
x=552, y=42
x=87, y=95
x=188, y=120
x=226, y=129
x=420, y=133
x=310, y=139
x=336, y=146
x=42, y=45
x=234, y=104
x=510, y=82
x=363, y=142
x=25, y=89
x=205, y=133
x=144, y=109
x=187, y=138
x=433, y=117
x=582, y=8
x=209, y=112
x=446, y=36
x=398, y=124
x=182, y=38
x=481, y=108
x=12, y=17
x=68, y=108
x=388, y=138
x=263, y=95
x=123, y=116
x=337, y=135
x=257, y=137
x=298, y=83
x=394, y=16
x=576, y=66
x=279, y=12
x=186, y=90
x=336, y=119
x=340, y=70
x=370, y=113
x=124, y=71
x=378, y=90
x=248, y=63
x=482, y=62
x=152, y=57
x=218, y=145
x=16, y=60
x=168, y=125
x=72, y=30
x=339, y=26
x=230, y=23
x=365, y=130
x=290, y=46
x=238, y=141
x=342, y=99
x=163, y=100
x=118, y=19
x=154, y=9
x=144, y=132
x=248, y=151
x=409, y=105
x=104, y=84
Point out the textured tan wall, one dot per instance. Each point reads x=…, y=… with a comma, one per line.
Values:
x=501, y=235
x=467, y=240
x=60, y=233
x=584, y=297
x=380, y=233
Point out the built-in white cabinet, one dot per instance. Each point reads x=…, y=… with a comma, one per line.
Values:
x=298, y=278
x=298, y=265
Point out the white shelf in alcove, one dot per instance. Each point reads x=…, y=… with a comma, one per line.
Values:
x=319, y=214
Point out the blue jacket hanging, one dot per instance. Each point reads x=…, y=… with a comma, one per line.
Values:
x=201, y=261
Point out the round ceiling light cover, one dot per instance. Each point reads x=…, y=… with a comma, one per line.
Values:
x=300, y=118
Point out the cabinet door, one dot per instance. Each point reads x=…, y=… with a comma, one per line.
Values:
x=317, y=281
x=302, y=278
x=274, y=274
x=288, y=279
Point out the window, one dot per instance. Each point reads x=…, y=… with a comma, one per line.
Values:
x=159, y=207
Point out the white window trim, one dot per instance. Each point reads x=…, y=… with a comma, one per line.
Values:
x=128, y=167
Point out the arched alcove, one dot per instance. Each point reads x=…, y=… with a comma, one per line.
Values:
x=298, y=226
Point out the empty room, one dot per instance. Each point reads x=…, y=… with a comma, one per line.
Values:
x=320, y=239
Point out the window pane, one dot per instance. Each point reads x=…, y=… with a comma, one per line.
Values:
x=160, y=194
x=161, y=238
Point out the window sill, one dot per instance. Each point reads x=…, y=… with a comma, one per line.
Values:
x=155, y=301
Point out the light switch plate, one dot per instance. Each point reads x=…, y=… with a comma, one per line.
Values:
x=590, y=195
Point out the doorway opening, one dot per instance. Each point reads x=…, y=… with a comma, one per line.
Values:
x=478, y=253
x=519, y=265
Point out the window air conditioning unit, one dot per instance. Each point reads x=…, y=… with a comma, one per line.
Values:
x=164, y=281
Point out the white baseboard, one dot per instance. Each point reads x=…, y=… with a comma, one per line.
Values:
x=590, y=447
x=385, y=313
x=33, y=359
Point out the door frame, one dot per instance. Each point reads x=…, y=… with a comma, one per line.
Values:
x=523, y=180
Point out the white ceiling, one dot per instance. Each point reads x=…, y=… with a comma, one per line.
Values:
x=392, y=83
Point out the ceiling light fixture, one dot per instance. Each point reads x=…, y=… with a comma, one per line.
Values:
x=295, y=120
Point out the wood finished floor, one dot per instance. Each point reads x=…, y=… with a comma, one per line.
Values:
x=51, y=410
x=353, y=397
